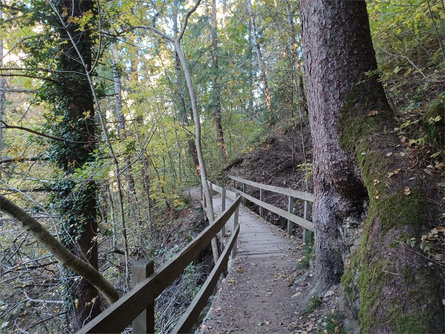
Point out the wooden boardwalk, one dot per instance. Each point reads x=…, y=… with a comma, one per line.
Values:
x=256, y=296
x=257, y=238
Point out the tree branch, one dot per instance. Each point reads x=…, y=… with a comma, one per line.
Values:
x=73, y=263
x=190, y=12
x=156, y=31
x=7, y=126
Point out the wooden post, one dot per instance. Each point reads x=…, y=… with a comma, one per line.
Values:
x=307, y=234
x=290, y=206
x=223, y=208
x=145, y=322
x=211, y=194
x=244, y=191
x=235, y=225
x=261, y=199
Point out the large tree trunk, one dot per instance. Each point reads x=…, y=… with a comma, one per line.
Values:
x=76, y=200
x=216, y=87
x=351, y=124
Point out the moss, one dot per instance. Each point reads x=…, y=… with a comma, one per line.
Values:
x=407, y=274
x=371, y=282
x=350, y=272
x=411, y=324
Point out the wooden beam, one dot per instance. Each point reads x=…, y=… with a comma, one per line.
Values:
x=121, y=313
x=284, y=191
x=145, y=322
x=283, y=213
x=192, y=313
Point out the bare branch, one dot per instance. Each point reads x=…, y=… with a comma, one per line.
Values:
x=18, y=90
x=190, y=12
x=7, y=126
x=72, y=262
x=157, y=32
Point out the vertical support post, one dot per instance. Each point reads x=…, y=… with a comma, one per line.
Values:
x=204, y=197
x=290, y=207
x=235, y=226
x=145, y=322
x=261, y=199
x=307, y=234
x=244, y=191
x=223, y=208
x=211, y=194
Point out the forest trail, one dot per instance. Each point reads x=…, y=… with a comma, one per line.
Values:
x=257, y=294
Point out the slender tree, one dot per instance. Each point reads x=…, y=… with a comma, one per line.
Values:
x=355, y=152
x=216, y=94
x=261, y=63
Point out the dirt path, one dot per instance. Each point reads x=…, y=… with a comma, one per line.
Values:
x=257, y=295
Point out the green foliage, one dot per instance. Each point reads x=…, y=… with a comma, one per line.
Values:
x=332, y=324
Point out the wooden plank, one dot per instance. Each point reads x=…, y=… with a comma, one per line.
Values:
x=192, y=313
x=145, y=322
x=284, y=191
x=116, y=317
x=283, y=213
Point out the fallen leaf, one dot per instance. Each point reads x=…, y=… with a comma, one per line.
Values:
x=267, y=322
x=388, y=154
x=373, y=112
x=239, y=270
x=394, y=172
x=411, y=142
x=403, y=139
x=407, y=191
x=402, y=154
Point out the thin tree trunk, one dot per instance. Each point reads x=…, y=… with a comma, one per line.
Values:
x=2, y=94
x=203, y=174
x=216, y=87
x=122, y=132
x=181, y=101
x=261, y=64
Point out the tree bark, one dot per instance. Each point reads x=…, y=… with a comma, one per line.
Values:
x=2, y=93
x=76, y=200
x=216, y=87
x=351, y=125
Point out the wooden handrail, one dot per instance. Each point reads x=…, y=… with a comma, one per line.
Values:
x=115, y=318
x=190, y=316
x=284, y=191
x=283, y=213
x=291, y=218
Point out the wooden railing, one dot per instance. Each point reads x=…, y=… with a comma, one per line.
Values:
x=138, y=302
x=291, y=194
